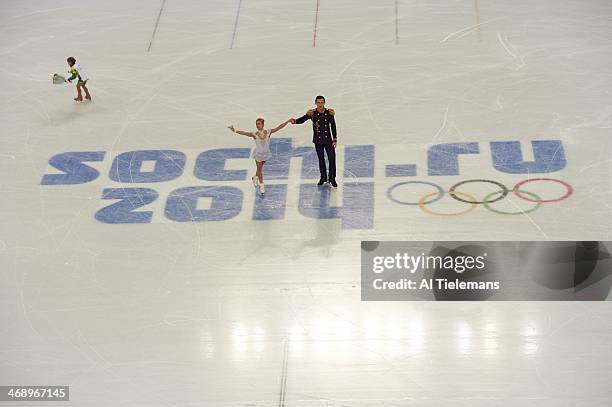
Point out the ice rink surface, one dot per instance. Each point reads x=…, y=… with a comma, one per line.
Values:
x=231, y=299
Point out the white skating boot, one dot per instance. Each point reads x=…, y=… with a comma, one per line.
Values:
x=255, y=180
x=262, y=189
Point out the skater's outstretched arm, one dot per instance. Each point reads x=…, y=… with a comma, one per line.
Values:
x=307, y=116
x=244, y=133
x=280, y=126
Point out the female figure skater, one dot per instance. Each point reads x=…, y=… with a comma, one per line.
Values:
x=262, y=148
x=77, y=72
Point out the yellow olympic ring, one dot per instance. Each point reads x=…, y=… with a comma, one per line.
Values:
x=463, y=212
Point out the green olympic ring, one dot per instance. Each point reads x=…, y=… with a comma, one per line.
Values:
x=487, y=203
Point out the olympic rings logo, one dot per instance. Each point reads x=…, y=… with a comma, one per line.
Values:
x=486, y=201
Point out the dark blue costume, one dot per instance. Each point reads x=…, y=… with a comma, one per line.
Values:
x=324, y=137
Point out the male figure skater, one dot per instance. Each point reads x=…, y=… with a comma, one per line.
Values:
x=324, y=137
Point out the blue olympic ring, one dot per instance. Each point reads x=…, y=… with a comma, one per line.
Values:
x=438, y=187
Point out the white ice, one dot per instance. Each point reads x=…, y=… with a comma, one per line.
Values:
x=268, y=313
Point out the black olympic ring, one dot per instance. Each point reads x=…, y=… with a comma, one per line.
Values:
x=504, y=190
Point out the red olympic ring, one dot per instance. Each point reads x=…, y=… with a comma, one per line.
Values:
x=518, y=185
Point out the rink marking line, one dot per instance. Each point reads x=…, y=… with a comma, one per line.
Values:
x=396, y=22
x=281, y=397
x=477, y=12
x=236, y=24
x=161, y=9
x=316, y=26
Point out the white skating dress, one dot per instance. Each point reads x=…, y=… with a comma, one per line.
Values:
x=262, y=145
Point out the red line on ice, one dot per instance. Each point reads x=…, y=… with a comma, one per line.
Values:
x=314, y=35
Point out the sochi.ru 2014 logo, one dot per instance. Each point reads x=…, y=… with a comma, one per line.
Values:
x=357, y=209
